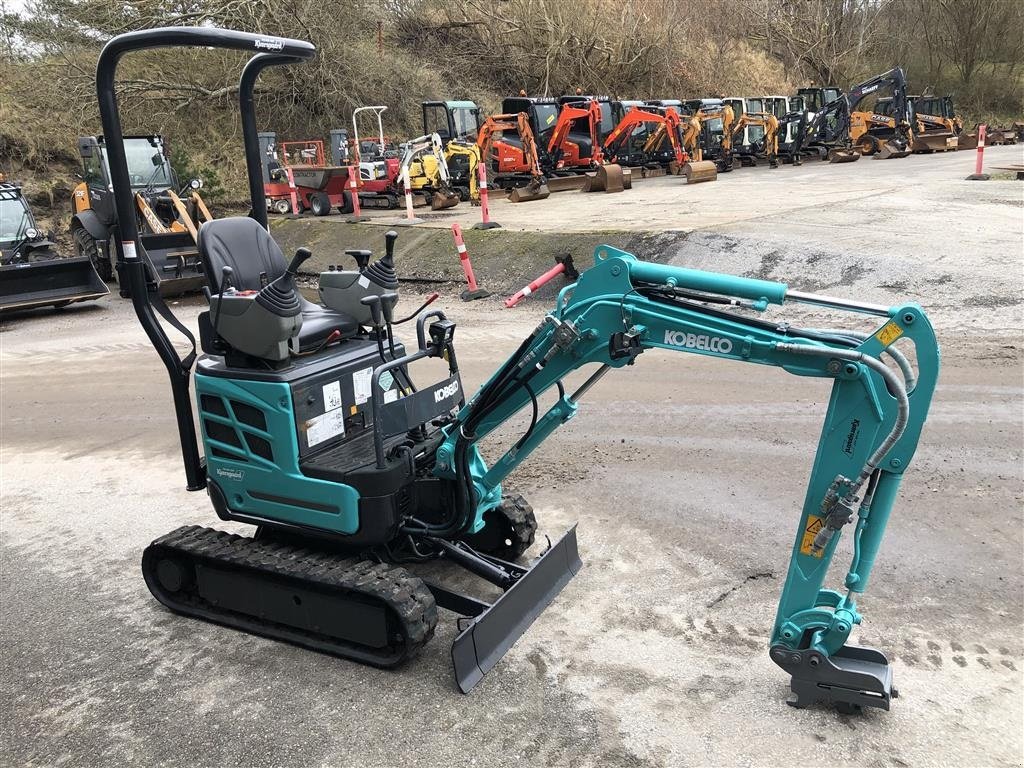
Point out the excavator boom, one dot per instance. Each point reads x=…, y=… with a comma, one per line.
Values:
x=623, y=307
x=535, y=189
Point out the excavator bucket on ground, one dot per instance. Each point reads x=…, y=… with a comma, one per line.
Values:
x=535, y=190
x=608, y=178
x=443, y=199
x=837, y=155
x=890, y=150
x=57, y=282
x=701, y=170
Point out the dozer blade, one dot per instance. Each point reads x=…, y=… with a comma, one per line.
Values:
x=531, y=191
x=492, y=632
x=608, y=178
x=49, y=283
x=441, y=200
x=701, y=170
x=843, y=155
x=890, y=150
x=566, y=183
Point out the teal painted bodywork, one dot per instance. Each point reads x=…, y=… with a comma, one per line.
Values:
x=272, y=488
x=861, y=411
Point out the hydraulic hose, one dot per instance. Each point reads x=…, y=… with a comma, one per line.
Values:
x=892, y=382
x=909, y=377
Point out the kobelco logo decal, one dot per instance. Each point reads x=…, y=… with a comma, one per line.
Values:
x=445, y=392
x=698, y=341
x=269, y=44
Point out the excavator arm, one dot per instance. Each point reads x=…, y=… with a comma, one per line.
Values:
x=623, y=307
x=519, y=123
x=769, y=123
x=432, y=177
x=567, y=116
x=429, y=143
x=839, y=124
x=471, y=152
x=668, y=125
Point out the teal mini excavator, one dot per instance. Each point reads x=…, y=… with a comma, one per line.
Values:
x=315, y=432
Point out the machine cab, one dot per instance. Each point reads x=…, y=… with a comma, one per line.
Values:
x=18, y=231
x=542, y=111
x=459, y=120
x=608, y=118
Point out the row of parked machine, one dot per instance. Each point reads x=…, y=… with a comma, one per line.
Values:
x=533, y=147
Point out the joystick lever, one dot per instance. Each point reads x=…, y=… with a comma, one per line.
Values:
x=387, y=304
x=373, y=302
x=362, y=257
x=300, y=257
x=389, y=246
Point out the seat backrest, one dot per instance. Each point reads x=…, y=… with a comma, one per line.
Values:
x=242, y=244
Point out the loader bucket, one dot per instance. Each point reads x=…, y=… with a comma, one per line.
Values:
x=844, y=155
x=57, y=282
x=174, y=259
x=702, y=170
x=492, y=632
x=532, y=191
x=443, y=199
x=607, y=178
x=890, y=150
x=566, y=183
x=934, y=142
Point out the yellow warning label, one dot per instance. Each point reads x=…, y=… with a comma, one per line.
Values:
x=889, y=333
x=550, y=120
x=814, y=524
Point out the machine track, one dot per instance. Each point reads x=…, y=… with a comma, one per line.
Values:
x=370, y=612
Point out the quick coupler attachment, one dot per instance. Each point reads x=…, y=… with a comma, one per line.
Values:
x=492, y=631
x=850, y=679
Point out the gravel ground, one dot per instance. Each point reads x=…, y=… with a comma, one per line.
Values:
x=685, y=475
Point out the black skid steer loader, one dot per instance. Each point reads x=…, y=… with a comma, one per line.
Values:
x=32, y=274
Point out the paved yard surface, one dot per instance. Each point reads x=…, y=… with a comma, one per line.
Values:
x=685, y=475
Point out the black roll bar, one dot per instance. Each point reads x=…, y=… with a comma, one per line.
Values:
x=250, y=134
x=130, y=266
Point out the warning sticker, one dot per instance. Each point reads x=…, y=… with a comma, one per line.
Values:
x=332, y=395
x=325, y=427
x=386, y=380
x=390, y=396
x=814, y=524
x=361, y=382
x=889, y=333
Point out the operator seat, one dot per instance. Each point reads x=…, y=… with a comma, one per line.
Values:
x=256, y=259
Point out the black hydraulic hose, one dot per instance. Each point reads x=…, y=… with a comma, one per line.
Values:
x=749, y=321
x=533, y=420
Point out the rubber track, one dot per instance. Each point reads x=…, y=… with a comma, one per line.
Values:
x=409, y=600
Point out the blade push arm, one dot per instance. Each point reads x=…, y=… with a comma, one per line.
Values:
x=623, y=306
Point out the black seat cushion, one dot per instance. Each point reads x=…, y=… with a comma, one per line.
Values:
x=319, y=322
x=244, y=245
